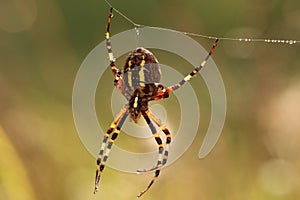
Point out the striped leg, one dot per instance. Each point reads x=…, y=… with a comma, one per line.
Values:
x=116, y=72
x=114, y=128
x=160, y=151
x=166, y=132
x=164, y=92
x=195, y=71
x=168, y=141
x=158, y=141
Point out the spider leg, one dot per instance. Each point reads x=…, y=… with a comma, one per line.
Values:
x=158, y=141
x=162, y=93
x=195, y=71
x=166, y=132
x=160, y=151
x=106, y=145
x=168, y=141
x=116, y=72
x=166, y=91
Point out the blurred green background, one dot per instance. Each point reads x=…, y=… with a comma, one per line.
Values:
x=42, y=44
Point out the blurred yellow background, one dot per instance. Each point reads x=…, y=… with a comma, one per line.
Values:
x=42, y=44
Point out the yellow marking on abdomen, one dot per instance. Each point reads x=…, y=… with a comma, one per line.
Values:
x=142, y=76
x=129, y=79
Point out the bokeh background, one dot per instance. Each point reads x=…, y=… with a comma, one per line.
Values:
x=42, y=44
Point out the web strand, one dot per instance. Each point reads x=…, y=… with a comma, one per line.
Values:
x=136, y=25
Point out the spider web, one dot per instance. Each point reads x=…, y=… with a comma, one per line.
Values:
x=263, y=40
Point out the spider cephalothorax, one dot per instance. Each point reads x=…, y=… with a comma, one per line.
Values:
x=139, y=82
x=138, y=103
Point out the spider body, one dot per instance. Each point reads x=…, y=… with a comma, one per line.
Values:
x=139, y=82
x=141, y=75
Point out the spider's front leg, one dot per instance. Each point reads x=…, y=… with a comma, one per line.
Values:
x=165, y=92
x=195, y=71
x=161, y=93
x=116, y=72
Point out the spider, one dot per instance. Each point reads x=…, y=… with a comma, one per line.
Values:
x=139, y=82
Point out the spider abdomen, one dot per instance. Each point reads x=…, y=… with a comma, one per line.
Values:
x=141, y=67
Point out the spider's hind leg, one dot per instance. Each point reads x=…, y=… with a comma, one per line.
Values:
x=158, y=141
x=160, y=152
x=162, y=157
x=166, y=132
x=107, y=143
